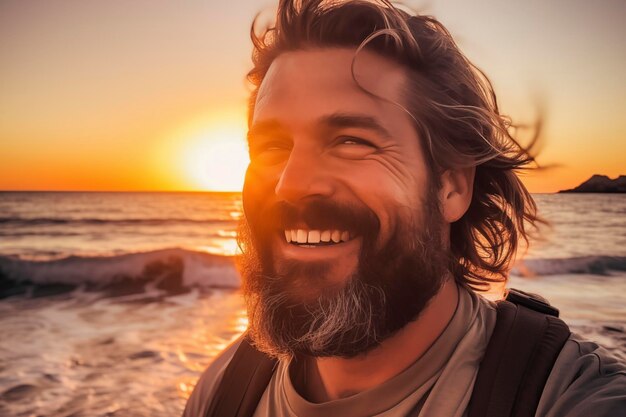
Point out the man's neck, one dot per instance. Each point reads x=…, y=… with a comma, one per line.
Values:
x=332, y=378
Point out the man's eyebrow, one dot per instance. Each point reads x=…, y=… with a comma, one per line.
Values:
x=264, y=126
x=335, y=120
x=339, y=120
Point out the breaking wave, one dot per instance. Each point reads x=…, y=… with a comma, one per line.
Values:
x=172, y=271
x=593, y=265
x=43, y=221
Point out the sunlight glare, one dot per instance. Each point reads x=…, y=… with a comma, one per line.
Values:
x=215, y=158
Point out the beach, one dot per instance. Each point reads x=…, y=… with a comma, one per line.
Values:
x=113, y=303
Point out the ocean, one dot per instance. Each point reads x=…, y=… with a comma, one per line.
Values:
x=112, y=304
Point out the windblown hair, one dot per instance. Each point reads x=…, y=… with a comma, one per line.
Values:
x=452, y=104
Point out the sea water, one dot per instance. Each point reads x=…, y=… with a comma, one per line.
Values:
x=111, y=304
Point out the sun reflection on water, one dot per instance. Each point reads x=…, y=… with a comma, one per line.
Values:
x=223, y=246
x=217, y=322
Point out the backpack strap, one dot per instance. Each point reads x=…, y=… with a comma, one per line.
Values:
x=525, y=343
x=243, y=384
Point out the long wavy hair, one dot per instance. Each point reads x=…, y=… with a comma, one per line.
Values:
x=452, y=104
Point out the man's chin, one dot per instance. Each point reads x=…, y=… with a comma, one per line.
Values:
x=307, y=281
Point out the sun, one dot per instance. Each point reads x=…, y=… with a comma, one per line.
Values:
x=214, y=157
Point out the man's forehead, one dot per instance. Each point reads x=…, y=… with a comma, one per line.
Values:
x=329, y=77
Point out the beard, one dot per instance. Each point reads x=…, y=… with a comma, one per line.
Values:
x=291, y=309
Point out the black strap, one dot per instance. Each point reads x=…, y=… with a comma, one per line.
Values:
x=244, y=381
x=519, y=357
x=533, y=301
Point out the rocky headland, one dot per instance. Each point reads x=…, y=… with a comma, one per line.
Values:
x=600, y=184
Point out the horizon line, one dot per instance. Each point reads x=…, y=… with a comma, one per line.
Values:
x=165, y=191
x=122, y=191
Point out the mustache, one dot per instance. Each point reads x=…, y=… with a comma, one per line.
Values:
x=319, y=214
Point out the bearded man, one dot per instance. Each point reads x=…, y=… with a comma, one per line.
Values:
x=381, y=192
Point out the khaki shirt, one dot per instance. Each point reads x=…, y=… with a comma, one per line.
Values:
x=585, y=381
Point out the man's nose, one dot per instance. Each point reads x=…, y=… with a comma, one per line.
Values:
x=304, y=175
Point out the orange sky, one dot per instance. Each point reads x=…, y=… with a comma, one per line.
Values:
x=150, y=94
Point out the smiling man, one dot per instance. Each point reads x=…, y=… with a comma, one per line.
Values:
x=381, y=192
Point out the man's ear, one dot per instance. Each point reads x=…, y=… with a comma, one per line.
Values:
x=455, y=194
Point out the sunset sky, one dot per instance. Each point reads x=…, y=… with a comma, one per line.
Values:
x=150, y=94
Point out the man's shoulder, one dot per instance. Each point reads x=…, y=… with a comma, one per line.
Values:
x=209, y=380
x=586, y=380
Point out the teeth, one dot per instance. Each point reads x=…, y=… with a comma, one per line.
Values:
x=302, y=236
x=314, y=236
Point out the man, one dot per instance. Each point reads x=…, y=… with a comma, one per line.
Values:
x=381, y=191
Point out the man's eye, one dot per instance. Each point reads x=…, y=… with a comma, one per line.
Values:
x=270, y=148
x=350, y=140
x=267, y=147
x=351, y=147
x=269, y=153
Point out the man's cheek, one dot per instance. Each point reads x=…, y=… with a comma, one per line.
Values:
x=256, y=188
x=262, y=179
x=378, y=237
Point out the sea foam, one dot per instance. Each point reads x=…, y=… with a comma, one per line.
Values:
x=593, y=265
x=173, y=270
